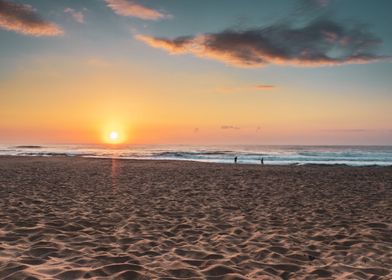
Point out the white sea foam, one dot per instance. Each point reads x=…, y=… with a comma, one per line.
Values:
x=281, y=155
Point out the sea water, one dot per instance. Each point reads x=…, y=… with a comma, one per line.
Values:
x=278, y=155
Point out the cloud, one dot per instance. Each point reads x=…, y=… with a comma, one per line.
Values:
x=77, y=16
x=230, y=127
x=320, y=42
x=132, y=9
x=25, y=20
x=264, y=87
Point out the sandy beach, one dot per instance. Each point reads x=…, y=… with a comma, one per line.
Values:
x=76, y=218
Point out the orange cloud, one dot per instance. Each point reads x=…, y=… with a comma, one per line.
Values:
x=131, y=9
x=24, y=19
x=320, y=43
x=263, y=87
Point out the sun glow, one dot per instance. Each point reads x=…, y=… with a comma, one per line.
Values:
x=114, y=135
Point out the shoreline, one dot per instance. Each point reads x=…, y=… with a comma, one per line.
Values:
x=266, y=164
x=92, y=218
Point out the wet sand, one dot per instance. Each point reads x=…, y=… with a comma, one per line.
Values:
x=75, y=218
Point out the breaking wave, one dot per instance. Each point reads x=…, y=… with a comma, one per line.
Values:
x=280, y=155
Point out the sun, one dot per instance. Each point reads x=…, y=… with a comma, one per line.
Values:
x=113, y=135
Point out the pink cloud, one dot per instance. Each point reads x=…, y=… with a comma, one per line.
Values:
x=132, y=9
x=77, y=16
x=25, y=20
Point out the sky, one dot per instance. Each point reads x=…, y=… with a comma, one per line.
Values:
x=298, y=72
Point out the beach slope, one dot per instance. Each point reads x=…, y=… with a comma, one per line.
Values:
x=72, y=218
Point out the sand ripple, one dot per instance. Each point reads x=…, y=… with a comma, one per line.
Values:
x=75, y=218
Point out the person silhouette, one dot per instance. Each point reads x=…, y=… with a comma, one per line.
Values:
x=235, y=159
x=262, y=161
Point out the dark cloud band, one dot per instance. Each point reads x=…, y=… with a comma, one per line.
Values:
x=318, y=43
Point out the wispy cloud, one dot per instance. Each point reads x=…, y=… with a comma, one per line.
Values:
x=25, y=20
x=230, y=127
x=132, y=9
x=320, y=42
x=264, y=87
x=77, y=16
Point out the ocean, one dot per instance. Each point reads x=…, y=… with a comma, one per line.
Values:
x=273, y=155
